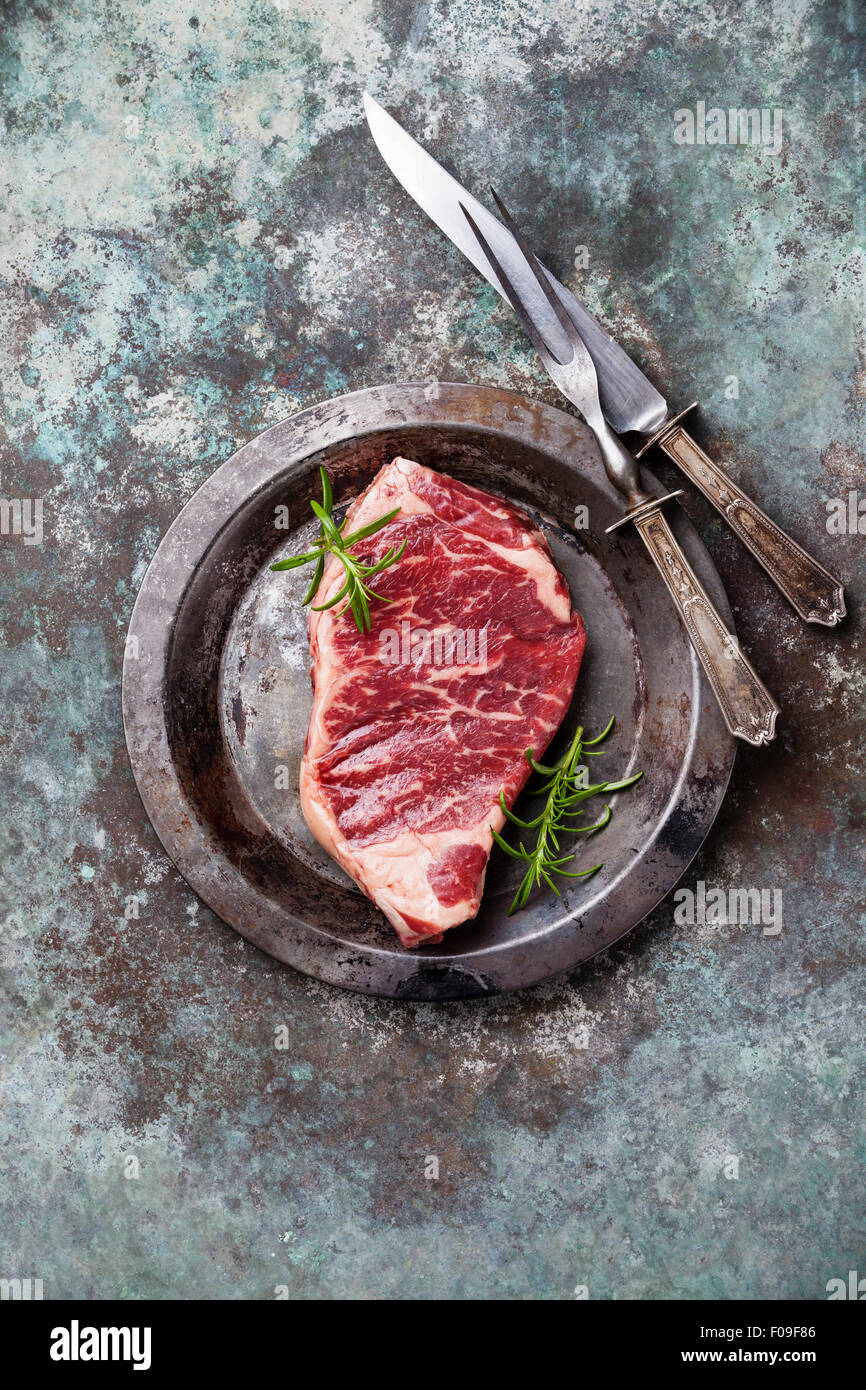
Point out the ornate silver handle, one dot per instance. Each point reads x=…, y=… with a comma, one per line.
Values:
x=748, y=708
x=812, y=590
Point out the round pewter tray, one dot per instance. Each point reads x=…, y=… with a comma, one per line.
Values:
x=216, y=694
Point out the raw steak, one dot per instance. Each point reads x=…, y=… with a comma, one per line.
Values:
x=419, y=724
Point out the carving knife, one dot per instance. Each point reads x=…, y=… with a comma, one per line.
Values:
x=629, y=401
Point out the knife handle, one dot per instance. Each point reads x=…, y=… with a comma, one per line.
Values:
x=748, y=708
x=812, y=590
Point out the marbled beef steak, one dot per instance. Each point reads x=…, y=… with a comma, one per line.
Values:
x=419, y=724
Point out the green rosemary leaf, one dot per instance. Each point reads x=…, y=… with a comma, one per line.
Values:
x=314, y=582
x=328, y=527
x=588, y=742
x=332, y=602
x=599, y=825
x=295, y=560
x=386, y=561
x=327, y=492
x=525, y=824
x=361, y=609
x=628, y=782
x=370, y=530
x=519, y=853
x=580, y=873
x=550, y=883
x=522, y=895
x=539, y=767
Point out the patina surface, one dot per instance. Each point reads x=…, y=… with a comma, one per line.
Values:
x=199, y=238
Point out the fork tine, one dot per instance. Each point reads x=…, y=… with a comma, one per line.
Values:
x=535, y=266
x=513, y=297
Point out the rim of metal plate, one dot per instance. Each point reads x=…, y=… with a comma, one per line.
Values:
x=243, y=904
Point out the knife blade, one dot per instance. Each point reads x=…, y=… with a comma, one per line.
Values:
x=629, y=401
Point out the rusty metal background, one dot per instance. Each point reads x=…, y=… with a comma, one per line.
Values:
x=216, y=694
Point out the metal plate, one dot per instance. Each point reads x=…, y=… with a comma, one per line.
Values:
x=216, y=694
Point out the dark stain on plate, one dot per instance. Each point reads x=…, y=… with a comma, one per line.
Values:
x=444, y=982
x=239, y=716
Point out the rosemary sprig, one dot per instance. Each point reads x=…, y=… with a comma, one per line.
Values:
x=564, y=789
x=331, y=541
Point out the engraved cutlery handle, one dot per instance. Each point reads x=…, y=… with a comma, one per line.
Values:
x=748, y=707
x=814, y=593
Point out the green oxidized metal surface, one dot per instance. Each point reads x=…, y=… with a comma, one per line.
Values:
x=198, y=238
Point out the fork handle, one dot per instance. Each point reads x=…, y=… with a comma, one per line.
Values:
x=812, y=590
x=748, y=708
